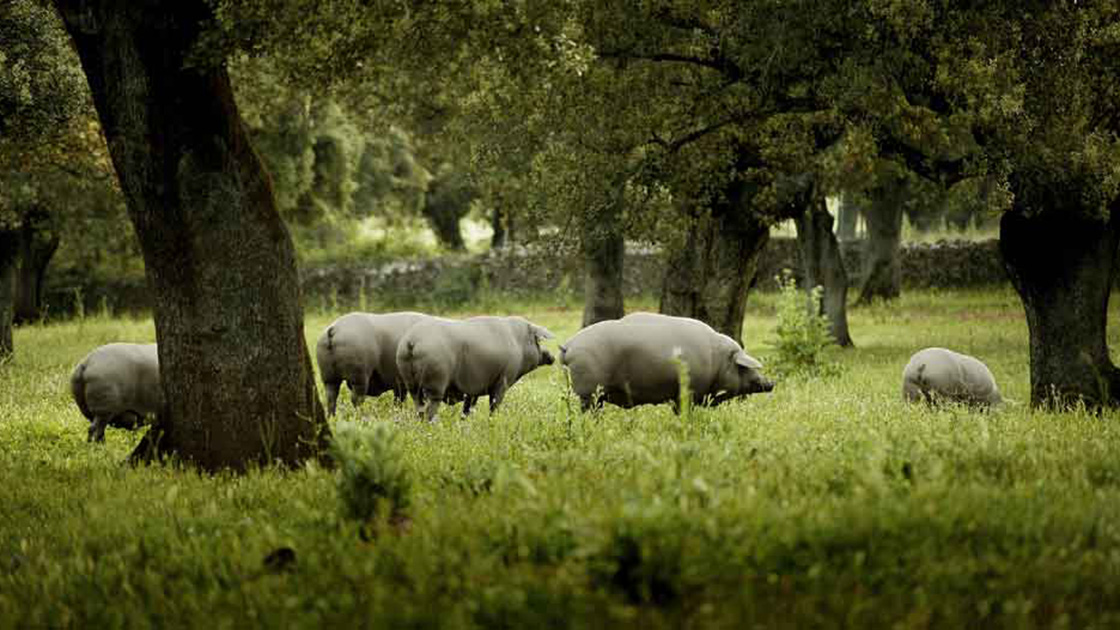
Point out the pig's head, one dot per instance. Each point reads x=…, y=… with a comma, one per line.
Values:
x=740, y=374
x=533, y=355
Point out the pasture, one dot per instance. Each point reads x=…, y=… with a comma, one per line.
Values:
x=826, y=503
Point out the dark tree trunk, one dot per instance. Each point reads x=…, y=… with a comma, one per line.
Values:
x=824, y=267
x=604, y=250
x=882, y=276
x=234, y=365
x=1063, y=266
x=8, y=251
x=444, y=221
x=709, y=278
x=37, y=245
x=502, y=224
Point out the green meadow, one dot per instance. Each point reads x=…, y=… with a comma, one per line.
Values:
x=828, y=503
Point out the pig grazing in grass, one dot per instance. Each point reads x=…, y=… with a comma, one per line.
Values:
x=117, y=385
x=442, y=360
x=636, y=361
x=937, y=374
x=360, y=349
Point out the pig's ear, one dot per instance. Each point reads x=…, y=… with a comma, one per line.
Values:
x=746, y=360
x=541, y=332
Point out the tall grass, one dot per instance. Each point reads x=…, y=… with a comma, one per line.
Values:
x=826, y=503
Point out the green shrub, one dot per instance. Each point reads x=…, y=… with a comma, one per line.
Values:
x=374, y=482
x=802, y=335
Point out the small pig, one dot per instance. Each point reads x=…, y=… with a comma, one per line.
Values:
x=117, y=385
x=361, y=350
x=442, y=360
x=633, y=361
x=937, y=374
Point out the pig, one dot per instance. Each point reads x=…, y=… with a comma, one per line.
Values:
x=633, y=361
x=117, y=385
x=360, y=349
x=448, y=361
x=938, y=374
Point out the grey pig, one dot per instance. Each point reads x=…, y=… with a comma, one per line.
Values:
x=462, y=360
x=935, y=374
x=117, y=385
x=633, y=361
x=360, y=349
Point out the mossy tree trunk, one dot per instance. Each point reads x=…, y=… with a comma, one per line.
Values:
x=604, y=249
x=234, y=365
x=882, y=275
x=824, y=267
x=1063, y=266
x=710, y=276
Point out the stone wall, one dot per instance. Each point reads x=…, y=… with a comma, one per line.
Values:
x=521, y=272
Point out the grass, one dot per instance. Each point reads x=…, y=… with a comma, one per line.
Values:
x=827, y=503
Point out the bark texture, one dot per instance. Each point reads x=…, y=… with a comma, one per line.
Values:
x=1063, y=266
x=604, y=250
x=8, y=251
x=882, y=276
x=824, y=267
x=37, y=245
x=709, y=278
x=234, y=365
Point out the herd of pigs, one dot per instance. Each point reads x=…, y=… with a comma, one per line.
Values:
x=636, y=360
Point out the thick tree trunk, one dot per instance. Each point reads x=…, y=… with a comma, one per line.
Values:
x=882, y=277
x=604, y=250
x=1063, y=266
x=37, y=245
x=448, y=200
x=8, y=251
x=234, y=365
x=709, y=278
x=824, y=267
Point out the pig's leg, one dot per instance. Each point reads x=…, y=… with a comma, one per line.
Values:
x=332, y=396
x=497, y=393
x=433, y=400
x=468, y=402
x=97, y=428
x=359, y=384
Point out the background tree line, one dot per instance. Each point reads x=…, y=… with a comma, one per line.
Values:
x=697, y=126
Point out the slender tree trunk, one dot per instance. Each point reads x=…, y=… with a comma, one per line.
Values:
x=234, y=365
x=1063, y=267
x=709, y=278
x=882, y=277
x=824, y=267
x=36, y=248
x=603, y=254
x=8, y=251
x=502, y=224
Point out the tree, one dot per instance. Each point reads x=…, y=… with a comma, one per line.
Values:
x=234, y=365
x=40, y=98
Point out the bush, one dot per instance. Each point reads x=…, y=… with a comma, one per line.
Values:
x=374, y=482
x=803, y=335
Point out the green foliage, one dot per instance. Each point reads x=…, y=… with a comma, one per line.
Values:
x=802, y=334
x=374, y=481
x=825, y=500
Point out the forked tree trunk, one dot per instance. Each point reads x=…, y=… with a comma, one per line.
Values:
x=234, y=366
x=709, y=278
x=604, y=251
x=882, y=276
x=1063, y=266
x=847, y=217
x=824, y=267
x=8, y=250
x=37, y=245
